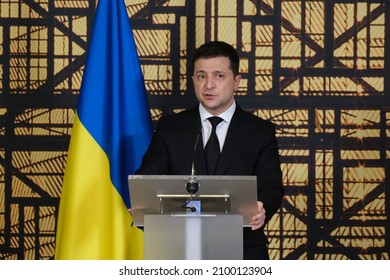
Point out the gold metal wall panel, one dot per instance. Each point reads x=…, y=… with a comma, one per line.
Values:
x=318, y=69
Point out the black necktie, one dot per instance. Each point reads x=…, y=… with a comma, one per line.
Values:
x=212, y=149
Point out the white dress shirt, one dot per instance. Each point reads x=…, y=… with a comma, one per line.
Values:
x=222, y=127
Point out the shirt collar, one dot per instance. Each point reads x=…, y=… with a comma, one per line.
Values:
x=226, y=116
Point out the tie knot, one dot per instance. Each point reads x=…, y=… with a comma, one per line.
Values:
x=215, y=121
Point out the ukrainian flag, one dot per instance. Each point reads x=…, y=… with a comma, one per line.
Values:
x=111, y=131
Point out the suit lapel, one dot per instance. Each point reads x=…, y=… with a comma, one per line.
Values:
x=229, y=152
x=191, y=127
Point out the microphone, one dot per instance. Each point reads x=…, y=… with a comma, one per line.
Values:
x=192, y=185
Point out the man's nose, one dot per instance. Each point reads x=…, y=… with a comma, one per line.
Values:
x=210, y=82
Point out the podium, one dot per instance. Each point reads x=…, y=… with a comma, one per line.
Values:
x=205, y=225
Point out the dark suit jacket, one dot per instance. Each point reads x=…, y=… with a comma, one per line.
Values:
x=250, y=148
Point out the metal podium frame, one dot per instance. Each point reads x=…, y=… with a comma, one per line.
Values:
x=225, y=205
x=145, y=191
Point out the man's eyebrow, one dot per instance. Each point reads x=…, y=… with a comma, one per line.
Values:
x=214, y=72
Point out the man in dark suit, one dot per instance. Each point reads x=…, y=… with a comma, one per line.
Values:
x=247, y=144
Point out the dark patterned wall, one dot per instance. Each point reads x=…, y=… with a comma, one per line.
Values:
x=318, y=69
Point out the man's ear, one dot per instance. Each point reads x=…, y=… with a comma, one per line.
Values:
x=237, y=80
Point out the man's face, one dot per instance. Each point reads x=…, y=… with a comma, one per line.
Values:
x=215, y=84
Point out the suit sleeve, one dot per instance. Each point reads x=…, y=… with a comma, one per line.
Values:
x=269, y=174
x=156, y=159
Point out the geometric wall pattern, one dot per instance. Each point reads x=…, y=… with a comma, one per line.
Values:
x=318, y=69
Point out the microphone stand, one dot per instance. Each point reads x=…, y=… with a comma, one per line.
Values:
x=192, y=185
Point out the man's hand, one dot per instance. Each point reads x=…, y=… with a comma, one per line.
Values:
x=258, y=219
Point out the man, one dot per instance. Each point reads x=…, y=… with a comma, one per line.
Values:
x=247, y=144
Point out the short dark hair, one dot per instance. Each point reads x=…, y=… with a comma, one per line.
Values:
x=217, y=49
